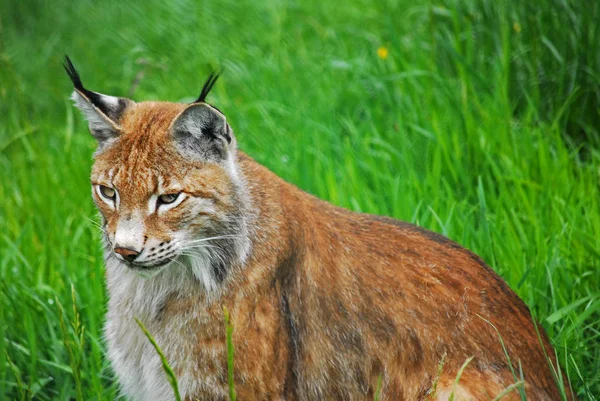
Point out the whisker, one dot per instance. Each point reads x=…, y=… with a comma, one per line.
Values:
x=189, y=252
x=218, y=256
x=202, y=246
x=193, y=255
x=179, y=263
x=213, y=238
x=95, y=224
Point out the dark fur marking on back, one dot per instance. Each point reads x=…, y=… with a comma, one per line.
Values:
x=415, y=349
x=285, y=278
x=294, y=340
x=435, y=237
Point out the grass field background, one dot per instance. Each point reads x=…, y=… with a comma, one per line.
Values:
x=479, y=120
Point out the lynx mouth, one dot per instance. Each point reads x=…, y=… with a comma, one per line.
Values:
x=153, y=264
x=150, y=268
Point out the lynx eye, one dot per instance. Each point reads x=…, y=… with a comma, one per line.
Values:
x=167, y=199
x=107, y=192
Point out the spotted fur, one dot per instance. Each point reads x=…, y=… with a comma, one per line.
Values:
x=325, y=302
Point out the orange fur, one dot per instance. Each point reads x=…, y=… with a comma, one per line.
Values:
x=327, y=301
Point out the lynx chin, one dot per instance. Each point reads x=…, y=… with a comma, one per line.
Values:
x=326, y=303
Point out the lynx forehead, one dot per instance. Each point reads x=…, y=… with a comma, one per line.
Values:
x=327, y=304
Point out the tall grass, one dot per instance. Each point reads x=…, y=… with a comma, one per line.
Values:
x=481, y=123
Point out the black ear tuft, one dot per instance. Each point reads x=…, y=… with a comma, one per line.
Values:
x=208, y=85
x=76, y=79
x=73, y=74
x=111, y=106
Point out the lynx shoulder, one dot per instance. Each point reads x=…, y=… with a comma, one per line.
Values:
x=326, y=303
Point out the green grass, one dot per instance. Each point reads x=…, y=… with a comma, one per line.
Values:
x=165, y=363
x=481, y=124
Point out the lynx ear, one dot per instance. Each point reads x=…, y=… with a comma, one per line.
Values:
x=201, y=131
x=102, y=112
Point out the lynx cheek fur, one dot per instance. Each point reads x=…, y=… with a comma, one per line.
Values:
x=325, y=302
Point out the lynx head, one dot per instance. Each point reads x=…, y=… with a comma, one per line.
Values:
x=167, y=183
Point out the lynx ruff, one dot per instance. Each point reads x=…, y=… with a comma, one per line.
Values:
x=326, y=303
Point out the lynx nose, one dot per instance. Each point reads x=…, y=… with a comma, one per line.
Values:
x=128, y=253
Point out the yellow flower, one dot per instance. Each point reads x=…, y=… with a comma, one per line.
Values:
x=383, y=52
x=517, y=27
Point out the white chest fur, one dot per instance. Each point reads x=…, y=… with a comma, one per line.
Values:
x=133, y=358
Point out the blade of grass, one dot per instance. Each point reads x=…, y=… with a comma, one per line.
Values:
x=378, y=388
x=17, y=375
x=165, y=363
x=510, y=365
x=230, y=354
x=512, y=387
x=458, y=376
x=74, y=343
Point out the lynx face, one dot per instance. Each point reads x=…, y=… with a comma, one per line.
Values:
x=157, y=207
x=166, y=185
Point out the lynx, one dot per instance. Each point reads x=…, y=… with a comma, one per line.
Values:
x=327, y=304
